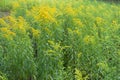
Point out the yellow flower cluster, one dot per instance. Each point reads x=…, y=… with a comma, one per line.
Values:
x=22, y=24
x=4, y=30
x=115, y=26
x=89, y=39
x=12, y=21
x=99, y=20
x=78, y=74
x=15, y=5
x=78, y=22
x=13, y=25
x=7, y=33
x=19, y=3
x=56, y=46
x=35, y=33
x=114, y=23
x=70, y=11
x=43, y=14
x=18, y=24
x=3, y=23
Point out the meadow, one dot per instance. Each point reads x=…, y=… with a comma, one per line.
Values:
x=59, y=40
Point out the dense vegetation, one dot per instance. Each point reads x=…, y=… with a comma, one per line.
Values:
x=59, y=40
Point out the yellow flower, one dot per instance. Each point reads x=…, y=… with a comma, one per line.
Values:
x=77, y=32
x=99, y=20
x=78, y=22
x=70, y=11
x=114, y=23
x=15, y=4
x=24, y=1
x=12, y=20
x=78, y=74
x=89, y=39
x=20, y=28
x=7, y=36
x=4, y=30
x=43, y=14
x=80, y=8
x=53, y=11
x=7, y=33
x=11, y=33
x=3, y=23
x=35, y=33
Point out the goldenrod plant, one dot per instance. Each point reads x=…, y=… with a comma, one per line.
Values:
x=60, y=40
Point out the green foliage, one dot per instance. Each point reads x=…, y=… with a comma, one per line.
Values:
x=2, y=76
x=16, y=54
x=5, y=5
x=74, y=40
